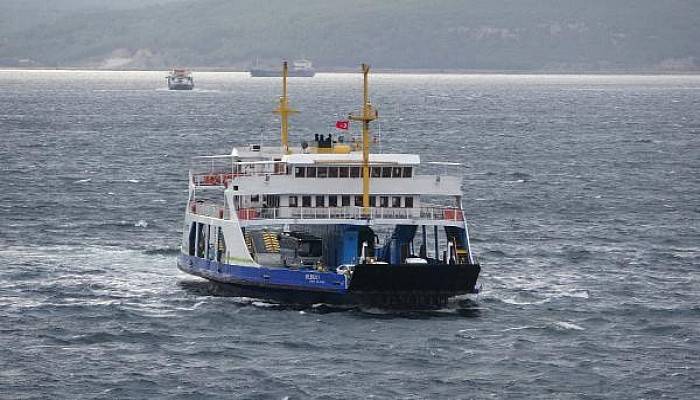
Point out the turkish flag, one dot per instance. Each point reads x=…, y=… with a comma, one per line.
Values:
x=343, y=124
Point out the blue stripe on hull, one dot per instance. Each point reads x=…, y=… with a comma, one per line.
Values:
x=264, y=277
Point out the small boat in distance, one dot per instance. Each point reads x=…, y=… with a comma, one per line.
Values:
x=180, y=79
x=300, y=68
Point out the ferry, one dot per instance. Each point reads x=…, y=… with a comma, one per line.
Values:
x=300, y=68
x=328, y=221
x=180, y=79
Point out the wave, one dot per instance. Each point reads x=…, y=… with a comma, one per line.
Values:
x=516, y=302
x=162, y=251
x=522, y=328
x=567, y=326
x=521, y=176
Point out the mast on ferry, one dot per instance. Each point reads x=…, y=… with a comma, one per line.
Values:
x=367, y=115
x=284, y=110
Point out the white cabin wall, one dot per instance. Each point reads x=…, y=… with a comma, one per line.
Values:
x=184, y=244
x=284, y=201
x=236, y=250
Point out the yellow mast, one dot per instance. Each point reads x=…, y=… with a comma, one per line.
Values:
x=284, y=110
x=368, y=114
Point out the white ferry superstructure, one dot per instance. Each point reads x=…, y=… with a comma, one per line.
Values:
x=328, y=222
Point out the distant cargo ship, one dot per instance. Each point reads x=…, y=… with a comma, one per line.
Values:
x=180, y=79
x=300, y=68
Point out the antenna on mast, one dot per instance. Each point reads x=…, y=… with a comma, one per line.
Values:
x=368, y=114
x=284, y=110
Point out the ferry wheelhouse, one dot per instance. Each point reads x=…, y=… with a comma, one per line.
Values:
x=328, y=222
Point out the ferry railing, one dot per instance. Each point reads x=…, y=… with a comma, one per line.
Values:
x=209, y=210
x=437, y=213
x=217, y=175
x=223, y=178
x=431, y=212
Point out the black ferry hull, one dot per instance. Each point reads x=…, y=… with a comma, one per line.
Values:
x=180, y=86
x=405, y=286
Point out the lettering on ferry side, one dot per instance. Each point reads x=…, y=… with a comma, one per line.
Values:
x=313, y=278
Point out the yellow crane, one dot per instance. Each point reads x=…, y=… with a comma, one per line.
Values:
x=367, y=115
x=284, y=111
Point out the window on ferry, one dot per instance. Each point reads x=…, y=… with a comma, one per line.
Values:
x=200, y=240
x=396, y=172
x=376, y=172
x=310, y=172
x=407, y=172
x=358, y=201
x=278, y=166
x=396, y=201
x=320, y=201
x=271, y=200
x=220, y=246
x=298, y=172
x=293, y=201
x=345, y=201
x=408, y=202
x=343, y=172
x=386, y=172
x=332, y=201
x=211, y=243
x=332, y=172
x=192, y=238
x=383, y=201
x=322, y=172
x=372, y=201
x=255, y=198
x=310, y=248
x=306, y=201
x=354, y=172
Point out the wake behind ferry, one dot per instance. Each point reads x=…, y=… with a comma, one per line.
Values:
x=328, y=222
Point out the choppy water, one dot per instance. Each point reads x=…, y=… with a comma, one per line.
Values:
x=583, y=193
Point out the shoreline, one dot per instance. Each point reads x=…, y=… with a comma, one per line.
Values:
x=390, y=71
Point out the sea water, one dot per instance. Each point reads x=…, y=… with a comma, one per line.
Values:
x=582, y=192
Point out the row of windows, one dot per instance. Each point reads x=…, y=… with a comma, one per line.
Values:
x=344, y=201
x=352, y=172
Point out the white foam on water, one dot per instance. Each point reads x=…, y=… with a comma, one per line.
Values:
x=513, y=301
x=568, y=326
x=263, y=304
x=520, y=328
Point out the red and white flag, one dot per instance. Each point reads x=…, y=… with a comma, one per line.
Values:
x=342, y=124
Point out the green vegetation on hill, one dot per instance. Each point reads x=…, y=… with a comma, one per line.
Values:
x=399, y=34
